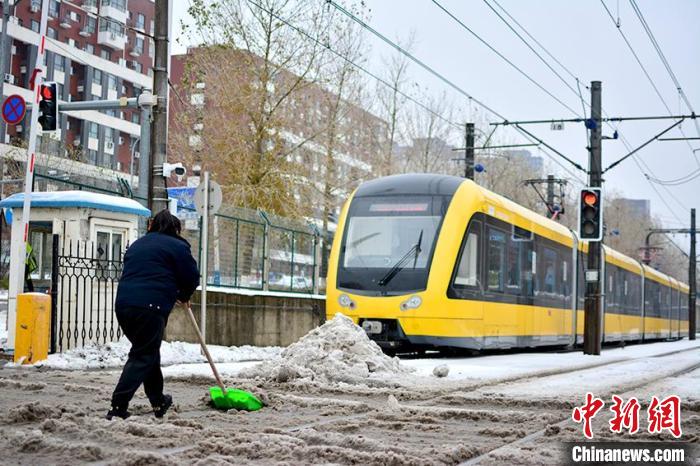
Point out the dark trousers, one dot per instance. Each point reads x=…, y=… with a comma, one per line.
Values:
x=144, y=328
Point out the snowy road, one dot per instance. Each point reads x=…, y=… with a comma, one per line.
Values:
x=478, y=412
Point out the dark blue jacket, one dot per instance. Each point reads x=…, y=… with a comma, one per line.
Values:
x=158, y=270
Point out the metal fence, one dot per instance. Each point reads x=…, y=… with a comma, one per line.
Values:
x=84, y=283
x=259, y=253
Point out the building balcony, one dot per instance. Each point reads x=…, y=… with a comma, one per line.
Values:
x=90, y=5
x=112, y=39
x=111, y=11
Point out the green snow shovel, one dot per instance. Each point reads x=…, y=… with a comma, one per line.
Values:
x=221, y=397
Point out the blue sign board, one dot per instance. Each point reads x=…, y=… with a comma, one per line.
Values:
x=13, y=109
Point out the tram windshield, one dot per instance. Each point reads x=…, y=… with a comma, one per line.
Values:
x=388, y=243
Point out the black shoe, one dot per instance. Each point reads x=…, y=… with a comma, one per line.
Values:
x=159, y=411
x=117, y=412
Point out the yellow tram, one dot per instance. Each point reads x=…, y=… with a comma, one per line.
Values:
x=426, y=260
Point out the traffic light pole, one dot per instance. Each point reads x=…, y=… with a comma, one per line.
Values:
x=20, y=247
x=593, y=320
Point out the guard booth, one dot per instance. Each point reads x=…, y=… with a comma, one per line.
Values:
x=77, y=240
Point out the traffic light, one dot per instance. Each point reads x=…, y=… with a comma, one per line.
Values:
x=591, y=214
x=48, y=107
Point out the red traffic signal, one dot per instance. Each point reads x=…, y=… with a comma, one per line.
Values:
x=48, y=107
x=590, y=214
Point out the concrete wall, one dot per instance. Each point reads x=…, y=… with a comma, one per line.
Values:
x=261, y=319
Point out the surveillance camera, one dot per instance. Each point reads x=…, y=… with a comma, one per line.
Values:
x=178, y=169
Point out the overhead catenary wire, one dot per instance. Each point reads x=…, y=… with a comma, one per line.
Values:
x=440, y=77
x=354, y=64
x=662, y=56
x=641, y=165
x=644, y=70
x=503, y=57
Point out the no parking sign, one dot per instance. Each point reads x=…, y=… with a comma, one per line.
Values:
x=13, y=109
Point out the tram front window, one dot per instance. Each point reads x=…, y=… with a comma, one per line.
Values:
x=388, y=243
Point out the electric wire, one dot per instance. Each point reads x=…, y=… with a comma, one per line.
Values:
x=490, y=47
x=644, y=70
x=657, y=47
x=354, y=64
x=441, y=78
x=644, y=172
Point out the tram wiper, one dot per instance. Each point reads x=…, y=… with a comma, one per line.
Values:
x=401, y=263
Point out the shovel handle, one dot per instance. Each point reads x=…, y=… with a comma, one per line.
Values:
x=206, y=351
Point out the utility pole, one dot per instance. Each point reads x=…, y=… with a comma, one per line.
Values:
x=157, y=192
x=550, y=195
x=469, y=151
x=692, y=279
x=593, y=321
x=4, y=57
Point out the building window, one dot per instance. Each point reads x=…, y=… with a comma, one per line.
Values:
x=138, y=45
x=140, y=21
x=58, y=63
x=90, y=25
x=89, y=48
x=92, y=155
x=93, y=130
x=112, y=26
x=51, y=32
x=112, y=82
x=35, y=26
x=105, y=53
x=151, y=48
x=135, y=118
x=97, y=77
x=138, y=67
x=53, y=8
x=153, y=27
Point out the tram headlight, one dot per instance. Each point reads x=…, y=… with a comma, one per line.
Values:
x=413, y=302
x=345, y=301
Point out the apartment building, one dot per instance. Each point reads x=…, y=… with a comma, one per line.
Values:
x=359, y=135
x=96, y=49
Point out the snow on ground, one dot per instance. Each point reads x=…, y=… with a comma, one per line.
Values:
x=113, y=355
x=502, y=366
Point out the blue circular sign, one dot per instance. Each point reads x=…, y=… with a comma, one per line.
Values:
x=13, y=109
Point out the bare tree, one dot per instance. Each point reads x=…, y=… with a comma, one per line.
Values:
x=430, y=132
x=391, y=99
x=254, y=68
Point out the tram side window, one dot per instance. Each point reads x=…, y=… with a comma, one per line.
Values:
x=549, y=269
x=514, y=258
x=495, y=264
x=468, y=268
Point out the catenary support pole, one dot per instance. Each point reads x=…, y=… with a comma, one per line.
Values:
x=593, y=321
x=469, y=151
x=157, y=192
x=550, y=196
x=692, y=280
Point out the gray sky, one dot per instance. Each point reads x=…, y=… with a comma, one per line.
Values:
x=581, y=35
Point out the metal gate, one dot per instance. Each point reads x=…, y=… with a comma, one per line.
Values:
x=84, y=283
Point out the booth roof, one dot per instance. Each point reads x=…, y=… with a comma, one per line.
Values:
x=84, y=199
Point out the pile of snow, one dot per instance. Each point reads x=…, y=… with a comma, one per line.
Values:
x=114, y=355
x=337, y=351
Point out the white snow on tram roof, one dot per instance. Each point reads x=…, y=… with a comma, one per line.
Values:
x=83, y=199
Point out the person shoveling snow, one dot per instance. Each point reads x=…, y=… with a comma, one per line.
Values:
x=337, y=351
x=158, y=271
